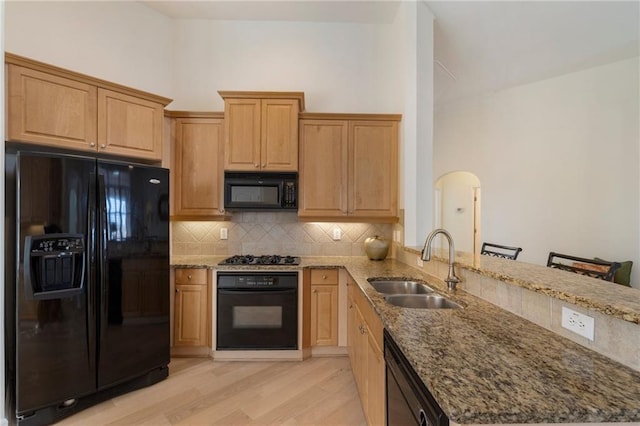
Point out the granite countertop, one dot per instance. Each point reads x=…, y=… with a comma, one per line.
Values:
x=485, y=365
x=608, y=298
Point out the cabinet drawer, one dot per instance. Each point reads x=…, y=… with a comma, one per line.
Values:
x=324, y=276
x=191, y=276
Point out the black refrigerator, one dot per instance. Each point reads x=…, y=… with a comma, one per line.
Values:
x=86, y=281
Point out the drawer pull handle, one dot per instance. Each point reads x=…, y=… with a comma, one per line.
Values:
x=189, y=277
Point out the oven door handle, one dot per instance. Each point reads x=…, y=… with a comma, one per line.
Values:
x=256, y=292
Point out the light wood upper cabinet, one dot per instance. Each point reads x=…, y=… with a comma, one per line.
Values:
x=197, y=167
x=279, y=135
x=373, y=168
x=52, y=106
x=242, y=134
x=349, y=168
x=50, y=110
x=129, y=126
x=323, y=168
x=261, y=130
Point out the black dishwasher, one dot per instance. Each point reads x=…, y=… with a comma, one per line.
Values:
x=408, y=400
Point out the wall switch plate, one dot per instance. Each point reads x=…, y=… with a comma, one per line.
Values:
x=420, y=262
x=581, y=324
x=224, y=233
x=337, y=234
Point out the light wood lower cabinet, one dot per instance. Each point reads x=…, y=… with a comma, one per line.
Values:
x=192, y=317
x=324, y=307
x=364, y=332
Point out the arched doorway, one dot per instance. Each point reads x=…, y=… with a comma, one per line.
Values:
x=457, y=209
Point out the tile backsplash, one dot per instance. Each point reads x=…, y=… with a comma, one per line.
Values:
x=273, y=233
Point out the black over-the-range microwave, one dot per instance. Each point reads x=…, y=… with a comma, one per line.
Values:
x=260, y=191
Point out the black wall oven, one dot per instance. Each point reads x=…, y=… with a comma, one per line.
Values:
x=257, y=310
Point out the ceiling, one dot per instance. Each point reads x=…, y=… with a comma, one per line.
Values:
x=480, y=46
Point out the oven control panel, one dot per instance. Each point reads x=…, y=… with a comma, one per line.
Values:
x=264, y=279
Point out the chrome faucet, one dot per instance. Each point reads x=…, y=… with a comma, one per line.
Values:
x=451, y=279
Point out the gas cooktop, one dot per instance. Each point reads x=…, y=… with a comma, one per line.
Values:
x=248, y=259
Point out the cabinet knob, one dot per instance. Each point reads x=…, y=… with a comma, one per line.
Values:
x=103, y=146
x=189, y=277
x=315, y=290
x=221, y=210
x=177, y=291
x=264, y=166
x=324, y=277
x=257, y=165
x=92, y=144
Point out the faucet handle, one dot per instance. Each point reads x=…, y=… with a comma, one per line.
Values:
x=452, y=281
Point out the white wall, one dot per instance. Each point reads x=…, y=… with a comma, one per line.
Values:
x=123, y=42
x=415, y=23
x=558, y=161
x=337, y=65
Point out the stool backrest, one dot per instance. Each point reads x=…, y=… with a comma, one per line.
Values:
x=497, y=250
x=580, y=265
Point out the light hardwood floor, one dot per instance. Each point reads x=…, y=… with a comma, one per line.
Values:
x=199, y=391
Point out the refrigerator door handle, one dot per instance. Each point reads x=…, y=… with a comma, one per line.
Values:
x=102, y=251
x=92, y=273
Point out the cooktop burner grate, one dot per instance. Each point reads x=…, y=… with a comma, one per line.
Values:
x=272, y=259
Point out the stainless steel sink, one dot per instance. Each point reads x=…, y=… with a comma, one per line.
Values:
x=400, y=287
x=421, y=301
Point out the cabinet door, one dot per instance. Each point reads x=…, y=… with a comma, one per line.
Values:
x=373, y=168
x=324, y=315
x=129, y=126
x=279, y=135
x=375, y=384
x=242, y=134
x=361, y=358
x=323, y=168
x=190, y=315
x=352, y=326
x=198, y=167
x=50, y=110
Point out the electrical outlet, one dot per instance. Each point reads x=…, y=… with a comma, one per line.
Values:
x=420, y=262
x=224, y=233
x=396, y=236
x=337, y=234
x=581, y=324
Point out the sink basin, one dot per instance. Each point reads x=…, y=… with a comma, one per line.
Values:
x=421, y=301
x=400, y=287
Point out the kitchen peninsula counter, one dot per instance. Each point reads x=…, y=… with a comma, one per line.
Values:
x=483, y=364
x=618, y=301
